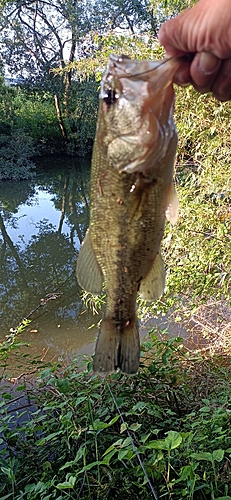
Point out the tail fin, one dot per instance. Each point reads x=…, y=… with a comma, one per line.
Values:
x=117, y=350
x=130, y=348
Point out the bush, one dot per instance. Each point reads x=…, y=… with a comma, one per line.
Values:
x=15, y=153
x=89, y=437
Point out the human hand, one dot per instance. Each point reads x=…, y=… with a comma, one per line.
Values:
x=204, y=31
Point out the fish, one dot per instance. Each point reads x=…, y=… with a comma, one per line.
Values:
x=132, y=193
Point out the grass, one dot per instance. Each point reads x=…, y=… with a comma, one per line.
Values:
x=83, y=436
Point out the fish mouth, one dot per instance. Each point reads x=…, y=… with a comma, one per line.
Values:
x=128, y=67
x=124, y=74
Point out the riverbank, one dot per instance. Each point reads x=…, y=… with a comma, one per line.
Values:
x=166, y=429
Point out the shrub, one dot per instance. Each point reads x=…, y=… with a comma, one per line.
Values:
x=16, y=151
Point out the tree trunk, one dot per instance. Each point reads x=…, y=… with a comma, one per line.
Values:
x=60, y=118
x=68, y=76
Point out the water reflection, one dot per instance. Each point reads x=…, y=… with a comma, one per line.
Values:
x=42, y=224
x=30, y=215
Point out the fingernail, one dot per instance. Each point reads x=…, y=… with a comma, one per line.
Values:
x=208, y=63
x=184, y=84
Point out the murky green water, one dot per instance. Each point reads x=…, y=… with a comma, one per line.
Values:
x=42, y=224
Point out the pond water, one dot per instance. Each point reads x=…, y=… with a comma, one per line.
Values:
x=42, y=225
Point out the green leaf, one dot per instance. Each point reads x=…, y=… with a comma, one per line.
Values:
x=112, y=447
x=29, y=488
x=205, y=409
x=80, y=400
x=46, y=373
x=7, y=496
x=7, y=471
x=135, y=427
x=123, y=427
x=223, y=498
x=67, y=484
x=50, y=437
x=158, y=444
x=218, y=455
x=119, y=402
x=173, y=440
x=63, y=385
x=108, y=457
x=139, y=406
x=90, y=466
x=159, y=456
x=80, y=453
x=126, y=442
x=21, y=387
x=186, y=472
x=203, y=456
x=98, y=424
x=122, y=453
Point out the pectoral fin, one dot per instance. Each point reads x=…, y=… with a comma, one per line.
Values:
x=172, y=205
x=152, y=286
x=88, y=272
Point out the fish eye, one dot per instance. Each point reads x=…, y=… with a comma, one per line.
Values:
x=110, y=96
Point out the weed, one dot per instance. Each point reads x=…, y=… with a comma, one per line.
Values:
x=122, y=437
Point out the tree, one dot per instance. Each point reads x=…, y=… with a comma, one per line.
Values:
x=37, y=37
x=125, y=15
x=44, y=41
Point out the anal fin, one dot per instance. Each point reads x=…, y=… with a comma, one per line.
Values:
x=152, y=286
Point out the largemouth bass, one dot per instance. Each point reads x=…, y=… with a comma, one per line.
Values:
x=131, y=195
